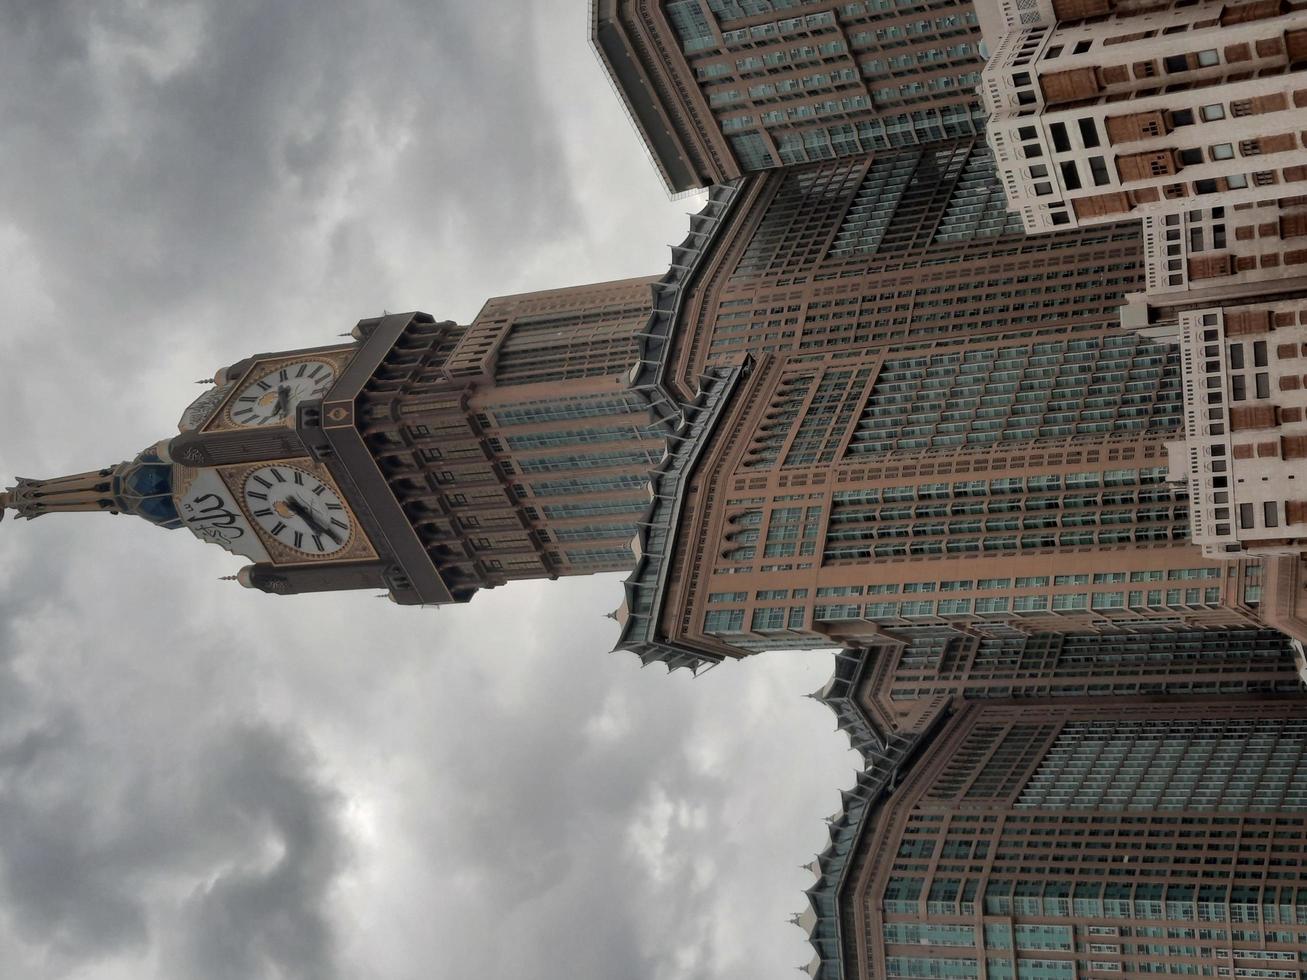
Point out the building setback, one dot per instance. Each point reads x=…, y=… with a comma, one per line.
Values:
x=944, y=451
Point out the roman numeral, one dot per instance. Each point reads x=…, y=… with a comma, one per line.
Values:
x=278, y=527
x=244, y=413
x=300, y=372
x=264, y=385
x=331, y=506
x=298, y=477
x=316, y=369
x=299, y=540
x=339, y=523
x=256, y=495
x=276, y=475
x=317, y=542
x=266, y=484
x=319, y=490
x=263, y=511
x=247, y=398
x=284, y=375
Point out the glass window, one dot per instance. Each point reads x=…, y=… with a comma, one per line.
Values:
x=1061, y=141
x=1070, y=175
x=1088, y=133
x=724, y=621
x=1098, y=169
x=1079, y=600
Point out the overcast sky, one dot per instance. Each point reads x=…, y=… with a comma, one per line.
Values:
x=197, y=781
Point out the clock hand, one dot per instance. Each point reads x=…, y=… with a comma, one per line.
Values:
x=283, y=400
x=306, y=514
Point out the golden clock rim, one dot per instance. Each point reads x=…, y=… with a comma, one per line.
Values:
x=331, y=488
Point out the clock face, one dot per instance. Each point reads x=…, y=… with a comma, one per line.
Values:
x=271, y=398
x=298, y=509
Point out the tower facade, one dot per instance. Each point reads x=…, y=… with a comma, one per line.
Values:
x=427, y=459
x=1066, y=830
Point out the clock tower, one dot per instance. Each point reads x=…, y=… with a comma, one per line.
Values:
x=425, y=458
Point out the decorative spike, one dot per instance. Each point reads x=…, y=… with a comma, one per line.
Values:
x=228, y=578
x=205, y=381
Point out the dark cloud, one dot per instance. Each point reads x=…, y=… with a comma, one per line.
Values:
x=268, y=919
x=97, y=826
x=63, y=884
x=193, y=149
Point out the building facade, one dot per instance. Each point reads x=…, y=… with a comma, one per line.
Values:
x=721, y=88
x=1147, y=110
x=943, y=424
x=1190, y=119
x=1092, y=827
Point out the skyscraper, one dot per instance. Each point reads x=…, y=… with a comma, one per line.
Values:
x=883, y=406
x=946, y=453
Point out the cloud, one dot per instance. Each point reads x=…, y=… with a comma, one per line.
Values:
x=267, y=916
x=199, y=781
x=107, y=828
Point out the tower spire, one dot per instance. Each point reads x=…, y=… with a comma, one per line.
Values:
x=90, y=491
x=142, y=486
